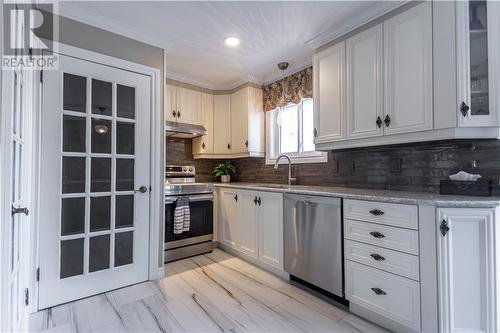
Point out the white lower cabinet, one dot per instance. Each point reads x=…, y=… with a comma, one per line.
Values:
x=251, y=222
x=467, y=270
x=389, y=295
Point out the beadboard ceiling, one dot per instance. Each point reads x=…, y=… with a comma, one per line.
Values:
x=192, y=33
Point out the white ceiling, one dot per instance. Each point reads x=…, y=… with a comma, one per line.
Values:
x=192, y=33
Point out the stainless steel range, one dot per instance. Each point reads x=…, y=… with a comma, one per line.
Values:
x=180, y=182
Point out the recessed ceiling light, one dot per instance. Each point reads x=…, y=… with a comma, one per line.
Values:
x=232, y=41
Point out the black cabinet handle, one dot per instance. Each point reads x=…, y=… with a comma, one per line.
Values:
x=174, y=113
x=259, y=201
x=236, y=197
x=203, y=145
x=377, y=257
x=178, y=114
x=377, y=234
x=444, y=227
x=379, y=291
x=387, y=120
x=464, y=109
x=246, y=143
x=379, y=122
x=255, y=201
x=315, y=132
x=228, y=146
x=376, y=212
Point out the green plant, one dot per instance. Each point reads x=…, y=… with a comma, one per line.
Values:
x=225, y=168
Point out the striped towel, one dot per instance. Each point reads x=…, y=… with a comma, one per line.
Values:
x=182, y=217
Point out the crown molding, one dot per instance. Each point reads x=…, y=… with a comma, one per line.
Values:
x=69, y=10
x=377, y=10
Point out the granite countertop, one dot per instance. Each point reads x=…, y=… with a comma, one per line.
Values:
x=402, y=197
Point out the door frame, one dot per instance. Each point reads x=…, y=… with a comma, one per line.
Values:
x=156, y=203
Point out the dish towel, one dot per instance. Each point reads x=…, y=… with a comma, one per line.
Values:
x=182, y=216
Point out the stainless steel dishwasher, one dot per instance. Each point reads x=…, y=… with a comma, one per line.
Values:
x=313, y=241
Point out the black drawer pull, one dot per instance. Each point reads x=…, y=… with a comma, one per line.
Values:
x=236, y=197
x=444, y=227
x=377, y=234
x=379, y=291
x=377, y=257
x=376, y=212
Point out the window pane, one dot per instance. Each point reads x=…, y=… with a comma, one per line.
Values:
x=72, y=216
x=125, y=100
x=73, y=175
x=101, y=136
x=307, y=125
x=289, y=131
x=124, y=174
x=74, y=92
x=100, y=175
x=99, y=253
x=124, y=248
x=101, y=97
x=124, y=211
x=125, y=138
x=74, y=134
x=100, y=213
x=71, y=257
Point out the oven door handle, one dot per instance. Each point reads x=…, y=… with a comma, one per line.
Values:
x=194, y=198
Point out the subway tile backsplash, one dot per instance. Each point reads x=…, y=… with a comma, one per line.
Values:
x=412, y=167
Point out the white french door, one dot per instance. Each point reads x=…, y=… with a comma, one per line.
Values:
x=15, y=227
x=95, y=186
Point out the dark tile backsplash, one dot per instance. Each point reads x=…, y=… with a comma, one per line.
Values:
x=413, y=167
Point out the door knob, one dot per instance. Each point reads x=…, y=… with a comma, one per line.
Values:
x=20, y=210
x=142, y=189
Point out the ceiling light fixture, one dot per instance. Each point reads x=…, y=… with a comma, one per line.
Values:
x=232, y=41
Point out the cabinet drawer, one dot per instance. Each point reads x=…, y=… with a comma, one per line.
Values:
x=391, y=261
x=389, y=295
x=405, y=216
x=389, y=237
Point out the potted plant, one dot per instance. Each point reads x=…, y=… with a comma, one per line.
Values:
x=224, y=171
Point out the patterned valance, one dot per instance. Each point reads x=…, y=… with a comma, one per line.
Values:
x=297, y=87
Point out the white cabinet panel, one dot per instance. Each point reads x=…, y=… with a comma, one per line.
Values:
x=408, y=66
x=229, y=217
x=271, y=228
x=329, y=88
x=247, y=221
x=205, y=144
x=364, y=84
x=467, y=270
x=239, y=121
x=389, y=295
x=222, y=124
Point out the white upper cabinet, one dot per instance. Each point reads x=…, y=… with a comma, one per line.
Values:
x=467, y=270
x=408, y=70
x=364, y=84
x=170, y=103
x=222, y=124
x=188, y=106
x=478, y=63
x=205, y=144
x=182, y=105
x=239, y=121
x=329, y=92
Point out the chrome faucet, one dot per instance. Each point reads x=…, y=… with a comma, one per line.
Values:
x=290, y=179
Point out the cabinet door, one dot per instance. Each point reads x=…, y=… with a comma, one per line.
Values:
x=478, y=51
x=364, y=84
x=329, y=88
x=247, y=222
x=222, y=124
x=408, y=65
x=189, y=105
x=239, y=121
x=271, y=228
x=229, y=217
x=466, y=270
x=170, y=103
x=205, y=144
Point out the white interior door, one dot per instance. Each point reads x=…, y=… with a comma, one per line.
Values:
x=94, y=200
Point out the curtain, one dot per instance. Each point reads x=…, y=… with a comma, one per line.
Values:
x=297, y=86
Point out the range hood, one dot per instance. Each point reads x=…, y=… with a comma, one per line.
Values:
x=174, y=129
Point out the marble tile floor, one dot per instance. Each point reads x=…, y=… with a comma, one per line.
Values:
x=215, y=292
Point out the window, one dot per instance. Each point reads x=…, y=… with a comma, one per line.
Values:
x=291, y=131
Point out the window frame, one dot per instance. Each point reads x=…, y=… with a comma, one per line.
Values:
x=273, y=135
